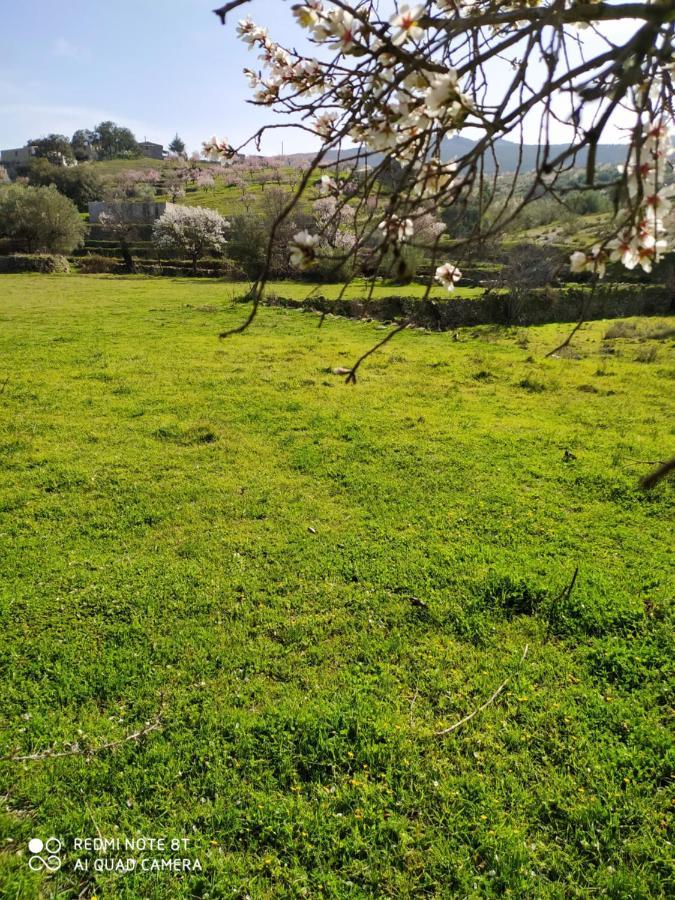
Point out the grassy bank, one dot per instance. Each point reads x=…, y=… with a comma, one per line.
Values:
x=299, y=582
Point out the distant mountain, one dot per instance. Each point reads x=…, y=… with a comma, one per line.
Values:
x=507, y=154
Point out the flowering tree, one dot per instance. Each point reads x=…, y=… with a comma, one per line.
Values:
x=397, y=85
x=205, y=180
x=395, y=81
x=190, y=230
x=135, y=184
x=175, y=181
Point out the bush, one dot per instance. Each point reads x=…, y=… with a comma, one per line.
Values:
x=248, y=243
x=98, y=265
x=621, y=330
x=647, y=354
x=40, y=219
x=46, y=263
x=81, y=184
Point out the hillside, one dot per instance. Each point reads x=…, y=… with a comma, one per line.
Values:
x=507, y=154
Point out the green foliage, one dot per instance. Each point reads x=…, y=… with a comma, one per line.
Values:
x=46, y=263
x=55, y=148
x=249, y=235
x=247, y=243
x=81, y=184
x=95, y=264
x=177, y=146
x=309, y=579
x=584, y=203
x=40, y=218
x=462, y=219
x=113, y=141
x=84, y=143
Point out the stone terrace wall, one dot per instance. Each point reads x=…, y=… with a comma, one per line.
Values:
x=538, y=307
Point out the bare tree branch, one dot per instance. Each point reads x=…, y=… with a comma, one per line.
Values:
x=483, y=706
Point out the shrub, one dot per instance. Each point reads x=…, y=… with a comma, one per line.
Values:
x=98, y=265
x=620, y=330
x=81, y=184
x=46, y=263
x=248, y=243
x=40, y=219
x=647, y=354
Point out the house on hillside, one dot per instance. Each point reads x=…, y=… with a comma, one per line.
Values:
x=152, y=151
x=17, y=161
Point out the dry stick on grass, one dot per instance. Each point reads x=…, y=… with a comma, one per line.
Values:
x=75, y=750
x=483, y=705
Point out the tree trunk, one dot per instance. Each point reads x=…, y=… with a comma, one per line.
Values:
x=129, y=264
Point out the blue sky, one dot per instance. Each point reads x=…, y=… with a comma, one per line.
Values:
x=158, y=66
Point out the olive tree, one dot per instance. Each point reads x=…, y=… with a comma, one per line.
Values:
x=40, y=219
x=191, y=231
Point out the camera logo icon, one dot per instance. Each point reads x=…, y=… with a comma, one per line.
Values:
x=51, y=860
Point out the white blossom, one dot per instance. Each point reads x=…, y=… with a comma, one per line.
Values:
x=624, y=249
x=303, y=249
x=448, y=275
x=406, y=25
x=396, y=229
x=594, y=261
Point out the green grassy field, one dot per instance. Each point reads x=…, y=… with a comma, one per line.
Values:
x=358, y=289
x=116, y=167
x=300, y=582
x=227, y=199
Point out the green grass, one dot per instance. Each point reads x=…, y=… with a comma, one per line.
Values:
x=309, y=579
x=358, y=289
x=227, y=199
x=116, y=167
x=580, y=232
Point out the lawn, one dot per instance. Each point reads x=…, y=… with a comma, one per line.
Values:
x=291, y=584
x=227, y=198
x=358, y=289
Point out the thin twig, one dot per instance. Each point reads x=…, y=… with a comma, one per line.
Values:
x=567, y=340
x=76, y=750
x=351, y=378
x=582, y=318
x=229, y=7
x=483, y=705
x=91, y=816
x=412, y=702
x=565, y=595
